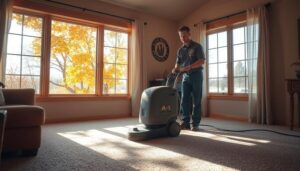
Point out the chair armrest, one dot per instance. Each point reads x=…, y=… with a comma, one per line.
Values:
x=19, y=96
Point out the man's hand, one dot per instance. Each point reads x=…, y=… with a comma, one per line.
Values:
x=175, y=70
x=185, y=69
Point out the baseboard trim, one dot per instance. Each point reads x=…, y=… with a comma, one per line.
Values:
x=87, y=118
x=228, y=117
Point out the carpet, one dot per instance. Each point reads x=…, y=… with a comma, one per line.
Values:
x=103, y=145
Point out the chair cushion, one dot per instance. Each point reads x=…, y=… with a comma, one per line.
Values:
x=23, y=115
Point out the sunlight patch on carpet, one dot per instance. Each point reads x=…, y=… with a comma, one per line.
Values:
x=138, y=155
x=228, y=138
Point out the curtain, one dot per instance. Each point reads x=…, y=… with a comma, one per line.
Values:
x=137, y=67
x=258, y=62
x=202, y=39
x=5, y=18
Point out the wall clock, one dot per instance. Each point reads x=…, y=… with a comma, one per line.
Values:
x=160, y=49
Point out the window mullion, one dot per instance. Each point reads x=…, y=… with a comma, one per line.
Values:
x=46, y=56
x=100, y=61
x=230, y=61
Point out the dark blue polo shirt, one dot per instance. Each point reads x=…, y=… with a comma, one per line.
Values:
x=189, y=54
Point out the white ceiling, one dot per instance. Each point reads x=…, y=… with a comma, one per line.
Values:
x=170, y=9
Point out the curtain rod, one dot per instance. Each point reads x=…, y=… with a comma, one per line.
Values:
x=241, y=12
x=86, y=9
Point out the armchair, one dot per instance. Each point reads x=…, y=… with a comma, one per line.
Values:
x=23, y=122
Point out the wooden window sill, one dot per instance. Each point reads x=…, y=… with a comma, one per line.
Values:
x=229, y=97
x=83, y=98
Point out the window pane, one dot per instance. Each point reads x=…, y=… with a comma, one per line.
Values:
x=109, y=71
x=109, y=55
x=121, y=86
x=122, y=56
x=13, y=64
x=32, y=26
x=212, y=41
x=212, y=56
x=115, y=71
x=31, y=65
x=12, y=81
x=31, y=46
x=222, y=70
x=31, y=82
x=213, y=71
x=109, y=86
x=14, y=44
x=223, y=86
x=238, y=35
x=110, y=38
x=222, y=39
x=222, y=54
x=121, y=71
x=122, y=40
x=239, y=52
x=239, y=68
x=240, y=85
x=213, y=85
x=16, y=24
x=23, y=69
x=73, y=58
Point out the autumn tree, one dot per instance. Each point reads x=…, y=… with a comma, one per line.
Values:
x=73, y=56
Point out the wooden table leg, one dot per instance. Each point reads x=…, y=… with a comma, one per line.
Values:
x=298, y=110
x=292, y=110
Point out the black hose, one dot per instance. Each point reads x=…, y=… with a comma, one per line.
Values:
x=251, y=130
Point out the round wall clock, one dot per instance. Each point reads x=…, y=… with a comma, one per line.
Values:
x=160, y=49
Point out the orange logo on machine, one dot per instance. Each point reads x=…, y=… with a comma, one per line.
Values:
x=160, y=49
x=165, y=108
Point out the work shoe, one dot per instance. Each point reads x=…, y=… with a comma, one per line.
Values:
x=196, y=128
x=185, y=127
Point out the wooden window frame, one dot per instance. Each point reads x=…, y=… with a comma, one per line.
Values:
x=226, y=24
x=34, y=9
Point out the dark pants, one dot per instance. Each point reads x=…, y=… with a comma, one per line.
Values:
x=191, y=86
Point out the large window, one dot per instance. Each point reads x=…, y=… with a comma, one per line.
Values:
x=227, y=64
x=58, y=56
x=73, y=58
x=24, y=51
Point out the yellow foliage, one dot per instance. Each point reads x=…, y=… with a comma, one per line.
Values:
x=73, y=53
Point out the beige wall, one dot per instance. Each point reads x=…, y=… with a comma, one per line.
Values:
x=155, y=27
x=283, y=45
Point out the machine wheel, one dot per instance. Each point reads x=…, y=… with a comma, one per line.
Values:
x=174, y=129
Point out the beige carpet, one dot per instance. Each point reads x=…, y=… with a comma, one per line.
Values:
x=102, y=145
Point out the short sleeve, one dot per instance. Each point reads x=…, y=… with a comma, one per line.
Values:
x=178, y=57
x=200, y=52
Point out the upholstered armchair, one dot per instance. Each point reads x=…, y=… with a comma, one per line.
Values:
x=23, y=122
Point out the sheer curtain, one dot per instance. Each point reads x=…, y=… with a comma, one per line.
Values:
x=201, y=37
x=258, y=65
x=5, y=18
x=138, y=72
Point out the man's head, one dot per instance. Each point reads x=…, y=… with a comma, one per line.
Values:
x=184, y=34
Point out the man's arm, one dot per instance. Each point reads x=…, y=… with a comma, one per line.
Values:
x=195, y=65
x=176, y=68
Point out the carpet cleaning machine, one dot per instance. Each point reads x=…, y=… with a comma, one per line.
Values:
x=158, y=112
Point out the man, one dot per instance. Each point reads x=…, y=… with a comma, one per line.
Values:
x=190, y=58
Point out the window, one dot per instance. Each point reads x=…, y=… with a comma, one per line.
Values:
x=227, y=60
x=73, y=58
x=78, y=58
x=239, y=60
x=115, y=62
x=217, y=62
x=24, y=52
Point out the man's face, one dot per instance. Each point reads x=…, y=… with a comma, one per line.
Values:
x=184, y=36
